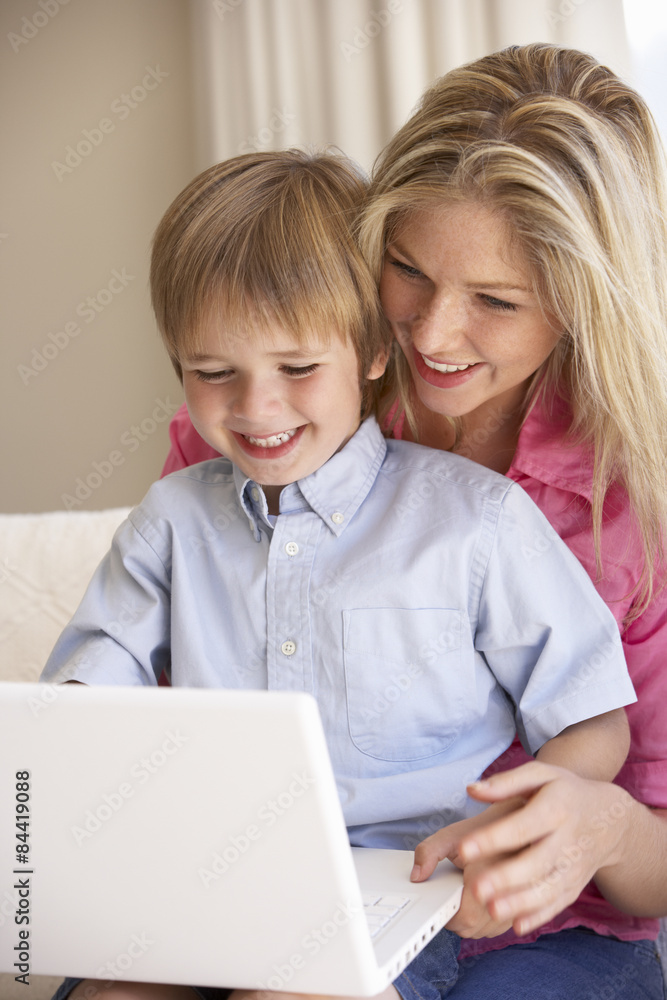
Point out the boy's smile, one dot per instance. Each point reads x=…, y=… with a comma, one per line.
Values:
x=277, y=407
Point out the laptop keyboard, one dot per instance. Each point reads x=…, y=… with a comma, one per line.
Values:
x=381, y=909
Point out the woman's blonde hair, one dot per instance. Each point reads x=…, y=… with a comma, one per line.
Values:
x=267, y=239
x=570, y=156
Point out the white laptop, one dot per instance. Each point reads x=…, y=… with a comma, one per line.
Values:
x=193, y=836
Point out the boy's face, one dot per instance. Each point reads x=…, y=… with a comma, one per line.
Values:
x=278, y=409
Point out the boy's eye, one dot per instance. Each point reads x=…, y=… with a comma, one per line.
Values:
x=299, y=372
x=495, y=303
x=212, y=376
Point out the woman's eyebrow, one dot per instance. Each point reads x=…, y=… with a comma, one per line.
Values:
x=498, y=286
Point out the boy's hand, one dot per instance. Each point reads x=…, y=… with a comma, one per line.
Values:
x=472, y=918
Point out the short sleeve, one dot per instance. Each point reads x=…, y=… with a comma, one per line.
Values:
x=117, y=634
x=546, y=634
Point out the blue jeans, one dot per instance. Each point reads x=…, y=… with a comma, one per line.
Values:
x=577, y=964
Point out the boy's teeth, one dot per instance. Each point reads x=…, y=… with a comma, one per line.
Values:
x=444, y=368
x=273, y=441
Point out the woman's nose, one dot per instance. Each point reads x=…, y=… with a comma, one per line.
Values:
x=440, y=326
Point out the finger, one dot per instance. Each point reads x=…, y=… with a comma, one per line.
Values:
x=527, y=910
x=474, y=921
x=510, y=834
x=532, y=880
x=485, y=928
x=431, y=851
x=521, y=781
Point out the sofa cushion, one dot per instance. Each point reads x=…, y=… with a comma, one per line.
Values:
x=46, y=561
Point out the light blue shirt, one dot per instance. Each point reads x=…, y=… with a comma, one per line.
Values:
x=423, y=600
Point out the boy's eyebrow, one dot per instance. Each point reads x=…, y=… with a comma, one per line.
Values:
x=296, y=355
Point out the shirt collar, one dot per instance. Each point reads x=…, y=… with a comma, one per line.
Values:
x=335, y=491
x=546, y=451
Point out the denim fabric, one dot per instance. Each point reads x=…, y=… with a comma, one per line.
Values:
x=202, y=992
x=434, y=971
x=578, y=964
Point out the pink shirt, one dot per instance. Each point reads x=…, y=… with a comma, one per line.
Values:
x=558, y=476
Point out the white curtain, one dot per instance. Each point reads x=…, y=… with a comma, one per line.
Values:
x=270, y=74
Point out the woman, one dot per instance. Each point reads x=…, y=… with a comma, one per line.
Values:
x=517, y=226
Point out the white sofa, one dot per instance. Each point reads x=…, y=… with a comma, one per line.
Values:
x=46, y=561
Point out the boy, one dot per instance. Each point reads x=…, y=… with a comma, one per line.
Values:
x=385, y=578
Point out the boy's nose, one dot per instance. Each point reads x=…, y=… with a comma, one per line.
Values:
x=255, y=400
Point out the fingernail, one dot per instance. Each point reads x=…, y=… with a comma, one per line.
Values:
x=469, y=850
x=484, y=891
x=415, y=874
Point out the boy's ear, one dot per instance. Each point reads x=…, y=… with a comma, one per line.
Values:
x=378, y=367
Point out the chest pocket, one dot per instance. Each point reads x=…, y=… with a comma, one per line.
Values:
x=404, y=679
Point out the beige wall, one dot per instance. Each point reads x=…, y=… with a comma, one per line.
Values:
x=85, y=386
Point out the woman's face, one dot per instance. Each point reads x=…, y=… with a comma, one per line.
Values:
x=458, y=296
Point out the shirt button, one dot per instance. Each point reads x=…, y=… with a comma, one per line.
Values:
x=288, y=647
x=254, y=493
x=291, y=548
x=337, y=517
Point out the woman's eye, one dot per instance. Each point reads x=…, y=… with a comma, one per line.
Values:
x=494, y=303
x=299, y=372
x=406, y=269
x=212, y=376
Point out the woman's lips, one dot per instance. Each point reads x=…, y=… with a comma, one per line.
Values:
x=443, y=379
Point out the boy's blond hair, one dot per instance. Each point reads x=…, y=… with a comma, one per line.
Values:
x=267, y=239
x=569, y=155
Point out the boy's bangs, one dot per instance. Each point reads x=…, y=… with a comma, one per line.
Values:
x=305, y=294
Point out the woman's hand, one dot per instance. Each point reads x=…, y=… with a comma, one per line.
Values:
x=530, y=854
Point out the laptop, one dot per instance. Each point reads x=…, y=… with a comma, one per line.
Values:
x=194, y=836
